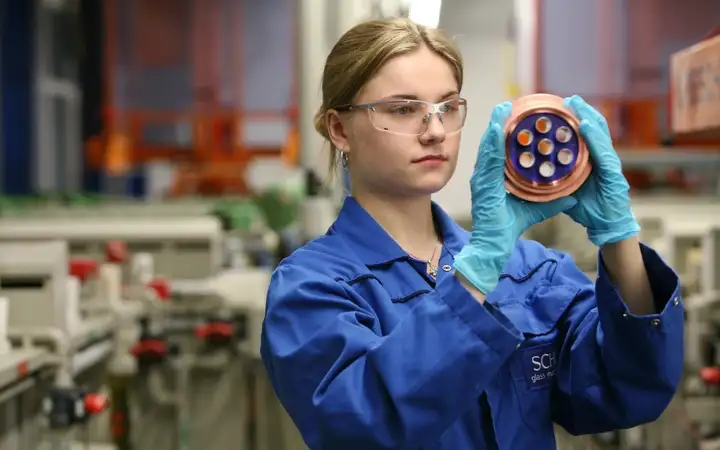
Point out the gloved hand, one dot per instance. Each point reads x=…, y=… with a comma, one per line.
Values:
x=603, y=206
x=498, y=219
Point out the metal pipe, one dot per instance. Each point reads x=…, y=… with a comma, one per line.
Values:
x=16, y=389
x=61, y=348
x=90, y=356
x=183, y=404
x=312, y=50
x=163, y=396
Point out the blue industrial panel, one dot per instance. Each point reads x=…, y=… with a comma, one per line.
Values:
x=268, y=62
x=2, y=158
x=91, y=82
x=18, y=75
x=137, y=183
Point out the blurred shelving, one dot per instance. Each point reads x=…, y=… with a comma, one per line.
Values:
x=670, y=157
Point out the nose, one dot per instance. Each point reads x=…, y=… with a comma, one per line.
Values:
x=435, y=131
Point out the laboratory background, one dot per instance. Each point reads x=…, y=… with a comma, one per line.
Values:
x=158, y=158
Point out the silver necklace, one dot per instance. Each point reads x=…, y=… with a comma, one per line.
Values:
x=432, y=269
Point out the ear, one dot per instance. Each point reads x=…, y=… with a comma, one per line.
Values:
x=336, y=129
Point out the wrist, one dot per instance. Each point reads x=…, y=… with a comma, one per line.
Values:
x=626, y=251
x=616, y=232
x=479, y=296
x=481, y=267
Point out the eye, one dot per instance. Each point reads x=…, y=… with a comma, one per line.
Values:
x=452, y=105
x=402, y=110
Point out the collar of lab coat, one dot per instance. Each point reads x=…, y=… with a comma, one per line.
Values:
x=371, y=243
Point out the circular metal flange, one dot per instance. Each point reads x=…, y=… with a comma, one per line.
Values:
x=543, y=131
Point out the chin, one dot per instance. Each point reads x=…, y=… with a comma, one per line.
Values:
x=430, y=183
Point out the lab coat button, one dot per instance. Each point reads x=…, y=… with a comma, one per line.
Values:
x=447, y=268
x=676, y=301
x=655, y=322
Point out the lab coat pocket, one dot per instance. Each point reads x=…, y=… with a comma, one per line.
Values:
x=540, y=312
x=533, y=372
x=534, y=364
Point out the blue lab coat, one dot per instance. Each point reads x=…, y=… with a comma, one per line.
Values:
x=366, y=352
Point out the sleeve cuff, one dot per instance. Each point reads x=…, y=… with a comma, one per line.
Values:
x=486, y=321
x=648, y=348
x=666, y=292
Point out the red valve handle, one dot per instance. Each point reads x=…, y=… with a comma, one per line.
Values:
x=215, y=330
x=710, y=375
x=96, y=403
x=154, y=347
x=116, y=252
x=161, y=287
x=82, y=268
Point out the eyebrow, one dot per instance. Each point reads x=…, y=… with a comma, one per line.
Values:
x=415, y=97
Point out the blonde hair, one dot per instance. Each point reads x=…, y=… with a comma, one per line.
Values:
x=363, y=50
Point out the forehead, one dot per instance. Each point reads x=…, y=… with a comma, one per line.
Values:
x=421, y=73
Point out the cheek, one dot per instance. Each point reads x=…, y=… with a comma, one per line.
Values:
x=451, y=167
x=359, y=132
x=452, y=146
x=384, y=151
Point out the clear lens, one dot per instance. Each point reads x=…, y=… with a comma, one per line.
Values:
x=413, y=116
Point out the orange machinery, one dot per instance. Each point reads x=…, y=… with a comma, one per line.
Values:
x=674, y=120
x=174, y=92
x=643, y=124
x=647, y=124
x=651, y=122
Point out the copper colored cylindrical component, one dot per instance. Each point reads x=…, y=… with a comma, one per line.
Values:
x=554, y=174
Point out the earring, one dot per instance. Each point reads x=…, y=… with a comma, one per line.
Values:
x=343, y=159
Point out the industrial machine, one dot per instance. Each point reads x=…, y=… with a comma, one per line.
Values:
x=690, y=244
x=177, y=367
x=198, y=375
x=176, y=95
x=702, y=387
x=56, y=352
x=24, y=374
x=181, y=247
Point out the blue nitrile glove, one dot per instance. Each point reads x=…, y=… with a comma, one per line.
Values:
x=498, y=219
x=603, y=206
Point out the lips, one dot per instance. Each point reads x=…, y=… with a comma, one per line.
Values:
x=431, y=158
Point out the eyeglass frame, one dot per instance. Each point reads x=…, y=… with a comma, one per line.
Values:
x=435, y=111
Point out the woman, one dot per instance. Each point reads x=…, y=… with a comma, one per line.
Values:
x=398, y=330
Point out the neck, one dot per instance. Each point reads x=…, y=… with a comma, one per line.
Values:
x=408, y=221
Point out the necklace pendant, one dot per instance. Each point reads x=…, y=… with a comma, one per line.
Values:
x=432, y=271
